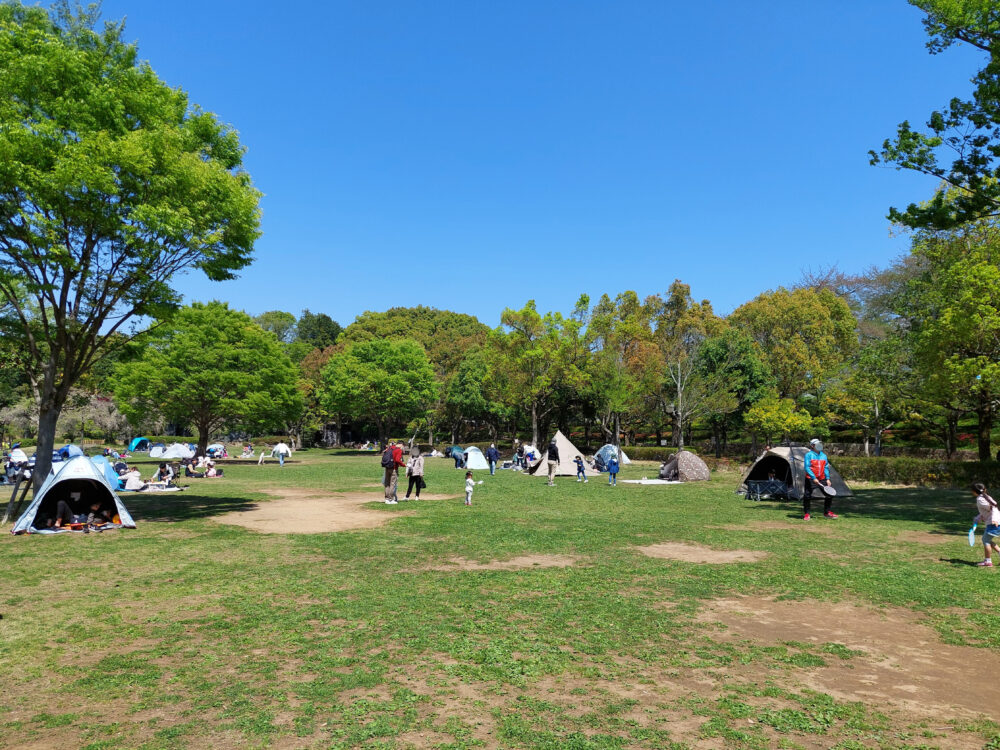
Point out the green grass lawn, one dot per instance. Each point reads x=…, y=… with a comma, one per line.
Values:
x=187, y=633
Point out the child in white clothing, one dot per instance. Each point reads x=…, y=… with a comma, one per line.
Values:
x=989, y=516
x=469, y=486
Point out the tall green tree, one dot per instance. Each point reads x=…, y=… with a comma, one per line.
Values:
x=736, y=378
x=966, y=132
x=282, y=324
x=624, y=364
x=804, y=335
x=469, y=399
x=952, y=310
x=536, y=357
x=318, y=330
x=868, y=395
x=211, y=368
x=446, y=336
x=111, y=183
x=682, y=326
x=386, y=381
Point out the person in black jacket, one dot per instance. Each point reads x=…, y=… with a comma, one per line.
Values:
x=492, y=455
x=553, y=461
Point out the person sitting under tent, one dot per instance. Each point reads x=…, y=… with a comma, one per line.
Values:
x=669, y=470
x=64, y=515
x=98, y=517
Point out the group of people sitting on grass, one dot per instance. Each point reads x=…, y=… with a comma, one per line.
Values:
x=96, y=518
x=201, y=467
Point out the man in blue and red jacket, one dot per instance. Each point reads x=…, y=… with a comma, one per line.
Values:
x=817, y=473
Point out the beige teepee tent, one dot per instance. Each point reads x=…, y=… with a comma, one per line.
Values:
x=567, y=466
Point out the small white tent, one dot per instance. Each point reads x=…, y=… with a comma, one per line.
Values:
x=567, y=453
x=157, y=451
x=176, y=451
x=604, y=455
x=78, y=482
x=476, y=458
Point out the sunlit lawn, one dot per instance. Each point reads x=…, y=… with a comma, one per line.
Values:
x=190, y=633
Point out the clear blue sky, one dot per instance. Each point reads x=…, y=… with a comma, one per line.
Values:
x=473, y=155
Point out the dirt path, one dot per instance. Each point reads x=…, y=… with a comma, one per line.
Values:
x=697, y=554
x=902, y=661
x=312, y=512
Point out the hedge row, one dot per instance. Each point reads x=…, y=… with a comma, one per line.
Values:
x=919, y=471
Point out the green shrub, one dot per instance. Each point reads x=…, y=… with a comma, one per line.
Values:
x=918, y=471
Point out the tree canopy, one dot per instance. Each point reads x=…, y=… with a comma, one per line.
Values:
x=387, y=381
x=211, y=368
x=965, y=131
x=111, y=183
x=446, y=336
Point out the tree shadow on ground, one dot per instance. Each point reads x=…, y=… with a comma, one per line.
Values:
x=182, y=506
x=948, y=511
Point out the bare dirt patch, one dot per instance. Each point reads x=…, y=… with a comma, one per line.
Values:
x=814, y=528
x=928, y=537
x=308, y=512
x=903, y=661
x=697, y=554
x=524, y=562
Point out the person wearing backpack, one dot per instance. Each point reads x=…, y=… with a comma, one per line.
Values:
x=390, y=466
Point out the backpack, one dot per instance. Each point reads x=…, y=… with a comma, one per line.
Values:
x=388, y=461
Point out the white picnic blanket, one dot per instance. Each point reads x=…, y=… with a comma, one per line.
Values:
x=648, y=481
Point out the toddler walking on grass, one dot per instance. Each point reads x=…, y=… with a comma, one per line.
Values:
x=469, y=486
x=989, y=516
x=613, y=472
x=581, y=472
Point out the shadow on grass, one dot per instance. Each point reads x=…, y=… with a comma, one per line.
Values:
x=948, y=511
x=957, y=561
x=182, y=506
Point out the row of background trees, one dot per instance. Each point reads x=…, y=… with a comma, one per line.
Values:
x=915, y=345
x=109, y=194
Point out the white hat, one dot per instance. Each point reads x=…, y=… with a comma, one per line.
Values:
x=814, y=441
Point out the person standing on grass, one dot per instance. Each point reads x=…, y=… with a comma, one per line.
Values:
x=613, y=471
x=553, y=461
x=581, y=472
x=817, y=475
x=492, y=455
x=282, y=451
x=469, y=487
x=391, y=467
x=415, y=472
x=989, y=516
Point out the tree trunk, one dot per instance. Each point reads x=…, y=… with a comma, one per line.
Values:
x=984, y=415
x=951, y=433
x=867, y=438
x=878, y=441
x=534, y=424
x=202, y=439
x=47, y=419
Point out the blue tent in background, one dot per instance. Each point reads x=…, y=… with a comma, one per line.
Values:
x=69, y=451
x=109, y=473
x=138, y=444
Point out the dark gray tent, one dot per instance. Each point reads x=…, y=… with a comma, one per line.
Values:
x=78, y=475
x=788, y=465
